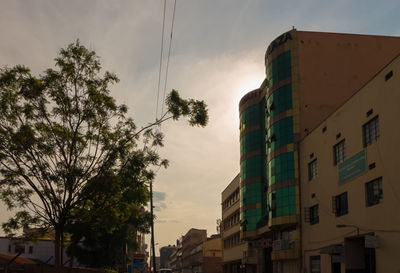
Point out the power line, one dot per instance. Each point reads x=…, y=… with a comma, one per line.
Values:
x=161, y=57
x=169, y=53
x=151, y=182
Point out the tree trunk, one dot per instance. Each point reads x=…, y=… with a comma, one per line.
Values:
x=62, y=247
x=57, y=241
x=153, y=254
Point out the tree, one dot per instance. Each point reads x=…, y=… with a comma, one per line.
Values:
x=62, y=131
x=108, y=222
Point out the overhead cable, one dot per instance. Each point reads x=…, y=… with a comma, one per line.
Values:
x=161, y=57
x=169, y=53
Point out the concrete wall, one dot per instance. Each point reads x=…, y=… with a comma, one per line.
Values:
x=381, y=220
x=43, y=250
x=212, y=247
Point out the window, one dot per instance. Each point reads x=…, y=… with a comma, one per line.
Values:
x=9, y=248
x=19, y=249
x=232, y=241
x=312, y=169
x=371, y=131
x=339, y=153
x=373, y=192
x=315, y=264
x=314, y=218
x=231, y=200
x=339, y=204
x=232, y=220
x=30, y=249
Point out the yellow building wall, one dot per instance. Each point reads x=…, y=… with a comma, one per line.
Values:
x=212, y=248
x=383, y=219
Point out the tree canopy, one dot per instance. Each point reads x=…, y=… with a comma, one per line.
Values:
x=64, y=139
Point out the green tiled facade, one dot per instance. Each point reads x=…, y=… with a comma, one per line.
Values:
x=252, y=165
x=266, y=126
x=280, y=134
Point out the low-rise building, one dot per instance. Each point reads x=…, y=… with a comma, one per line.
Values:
x=41, y=250
x=212, y=254
x=236, y=256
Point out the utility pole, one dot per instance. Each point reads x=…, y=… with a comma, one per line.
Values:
x=152, y=228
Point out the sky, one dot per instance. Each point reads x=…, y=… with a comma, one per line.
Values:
x=217, y=55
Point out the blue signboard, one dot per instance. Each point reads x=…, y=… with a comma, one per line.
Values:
x=352, y=167
x=138, y=262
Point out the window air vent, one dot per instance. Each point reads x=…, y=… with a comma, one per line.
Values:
x=388, y=76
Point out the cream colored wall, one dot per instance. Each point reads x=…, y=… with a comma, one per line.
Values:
x=384, y=218
x=212, y=246
x=234, y=253
x=231, y=188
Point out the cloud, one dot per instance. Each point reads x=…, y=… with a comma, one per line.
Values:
x=158, y=199
x=159, y=196
x=167, y=221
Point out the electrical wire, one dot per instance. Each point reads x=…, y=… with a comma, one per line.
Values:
x=161, y=57
x=169, y=53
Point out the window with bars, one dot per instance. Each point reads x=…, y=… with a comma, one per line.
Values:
x=373, y=192
x=340, y=204
x=312, y=169
x=339, y=152
x=315, y=264
x=314, y=217
x=371, y=131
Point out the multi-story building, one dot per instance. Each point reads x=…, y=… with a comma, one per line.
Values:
x=165, y=254
x=175, y=261
x=349, y=182
x=235, y=252
x=308, y=76
x=192, y=249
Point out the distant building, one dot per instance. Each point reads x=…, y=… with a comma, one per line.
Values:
x=175, y=261
x=157, y=267
x=236, y=256
x=309, y=75
x=139, y=255
x=165, y=254
x=192, y=253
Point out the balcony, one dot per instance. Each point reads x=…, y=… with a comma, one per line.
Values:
x=285, y=249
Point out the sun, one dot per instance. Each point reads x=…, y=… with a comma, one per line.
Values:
x=246, y=84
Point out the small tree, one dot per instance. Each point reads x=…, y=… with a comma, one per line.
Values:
x=63, y=130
